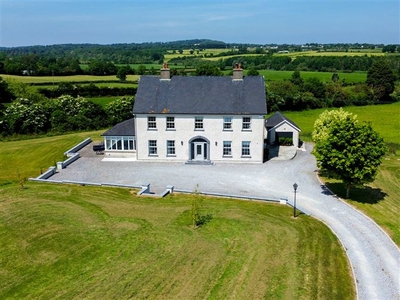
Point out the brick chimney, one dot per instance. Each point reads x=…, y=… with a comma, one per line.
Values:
x=165, y=72
x=237, y=72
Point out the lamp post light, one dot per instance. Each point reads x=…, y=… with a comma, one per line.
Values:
x=294, y=206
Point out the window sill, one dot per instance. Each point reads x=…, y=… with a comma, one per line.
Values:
x=153, y=155
x=227, y=156
x=170, y=129
x=229, y=130
x=246, y=156
x=152, y=129
x=199, y=129
x=171, y=155
x=246, y=130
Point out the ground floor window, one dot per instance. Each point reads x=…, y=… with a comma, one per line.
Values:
x=170, y=148
x=227, y=150
x=121, y=143
x=152, y=147
x=245, y=148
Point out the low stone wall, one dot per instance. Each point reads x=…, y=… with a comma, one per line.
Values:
x=62, y=164
x=78, y=147
x=50, y=172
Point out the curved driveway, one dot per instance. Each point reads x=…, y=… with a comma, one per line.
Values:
x=374, y=257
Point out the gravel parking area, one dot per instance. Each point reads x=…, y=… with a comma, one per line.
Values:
x=374, y=257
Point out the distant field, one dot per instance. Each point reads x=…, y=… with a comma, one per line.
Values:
x=272, y=75
x=103, y=101
x=82, y=242
x=382, y=117
x=327, y=53
x=74, y=78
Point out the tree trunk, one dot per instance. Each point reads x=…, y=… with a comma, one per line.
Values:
x=348, y=191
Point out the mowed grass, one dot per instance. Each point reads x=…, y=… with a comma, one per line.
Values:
x=74, y=242
x=27, y=158
x=80, y=242
x=380, y=199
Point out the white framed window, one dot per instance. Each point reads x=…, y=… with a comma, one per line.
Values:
x=227, y=148
x=126, y=143
x=245, y=148
x=198, y=123
x=152, y=147
x=170, y=148
x=227, y=123
x=151, y=122
x=246, y=123
x=170, y=123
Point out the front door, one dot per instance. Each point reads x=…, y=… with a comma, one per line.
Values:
x=199, y=151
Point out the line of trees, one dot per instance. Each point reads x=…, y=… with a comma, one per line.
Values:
x=64, y=114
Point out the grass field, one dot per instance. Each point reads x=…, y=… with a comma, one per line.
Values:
x=381, y=199
x=74, y=78
x=272, y=75
x=79, y=242
x=328, y=53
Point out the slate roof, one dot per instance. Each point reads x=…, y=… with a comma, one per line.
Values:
x=278, y=118
x=201, y=95
x=125, y=128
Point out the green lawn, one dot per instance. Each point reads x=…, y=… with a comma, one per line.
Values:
x=78, y=242
x=381, y=199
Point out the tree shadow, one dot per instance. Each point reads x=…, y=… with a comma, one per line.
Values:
x=204, y=220
x=361, y=194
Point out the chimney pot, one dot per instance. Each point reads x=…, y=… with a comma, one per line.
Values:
x=237, y=72
x=165, y=72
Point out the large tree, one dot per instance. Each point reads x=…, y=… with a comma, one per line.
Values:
x=381, y=78
x=349, y=151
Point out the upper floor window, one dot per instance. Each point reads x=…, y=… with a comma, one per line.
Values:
x=246, y=124
x=227, y=123
x=198, y=123
x=170, y=122
x=151, y=122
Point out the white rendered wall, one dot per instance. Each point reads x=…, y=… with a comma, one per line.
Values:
x=285, y=127
x=212, y=130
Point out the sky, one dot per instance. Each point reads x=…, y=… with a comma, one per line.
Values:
x=47, y=22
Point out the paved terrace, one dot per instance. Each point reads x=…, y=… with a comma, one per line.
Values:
x=374, y=257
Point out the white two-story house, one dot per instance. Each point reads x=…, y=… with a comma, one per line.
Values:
x=196, y=119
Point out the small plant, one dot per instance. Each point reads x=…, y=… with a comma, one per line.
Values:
x=285, y=141
x=197, y=219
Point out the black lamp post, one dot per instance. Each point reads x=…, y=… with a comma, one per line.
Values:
x=294, y=206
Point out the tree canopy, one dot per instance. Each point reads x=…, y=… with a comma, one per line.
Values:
x=381, y=78
x=346, y=149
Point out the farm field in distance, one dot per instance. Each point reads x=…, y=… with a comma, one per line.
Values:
x=111, y=80
x=70, y=241
x=72, y=78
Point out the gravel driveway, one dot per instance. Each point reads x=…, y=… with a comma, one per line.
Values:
x=374, y=257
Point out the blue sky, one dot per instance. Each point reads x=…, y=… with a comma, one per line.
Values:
x=46, y=22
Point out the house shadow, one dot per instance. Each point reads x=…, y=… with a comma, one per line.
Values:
x=361, y=194
x=271, y=152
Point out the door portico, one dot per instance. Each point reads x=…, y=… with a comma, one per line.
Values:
x=199, y=149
